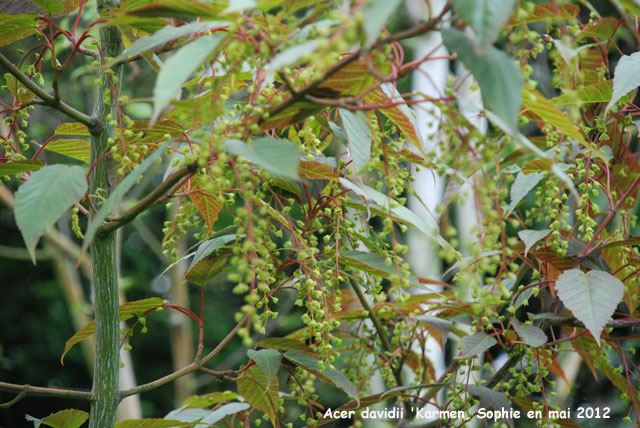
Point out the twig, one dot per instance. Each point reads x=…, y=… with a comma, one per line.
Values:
x=301, y=93
x=147, y=201
x=185, y=370
x=26, y=390
x=48, y=99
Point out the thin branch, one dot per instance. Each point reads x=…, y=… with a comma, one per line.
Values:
x=301, y=93
x=185, y=370
x=26, y=390
x=47, y=98
x=148, y=200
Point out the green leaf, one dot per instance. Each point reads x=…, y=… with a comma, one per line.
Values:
x=262, y=395
x=208, y=206
x=116, y=196
x=490, y=398
x=597, y=93
x=151, y=423
x=16, y=27
x=17, y=167
x=497, y=75
x=375, y=264
x=208, y=247
x=224, y=411
x=206, y=270
x=72, y=128
x=168, y=34
x=545, y=12
x=178, y=68
x=522, y=186
x=127, y=310
x=284, y=344
x=278, y=157
x=50, y=6
x=530, y=237
x=475, y=344
x=291, y=56
x=208, y=400
x=626, y=77
x=44, y=198
x=592, y=297
x=486, y=17
x=530, y=334
x=401, y=213
x=268, y=360
x=68, y=418
x=359, y=136
x=74, y=148
x=535, y=102
x=334, y=377
x=376, y=15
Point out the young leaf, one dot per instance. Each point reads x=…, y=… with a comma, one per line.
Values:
x=208, y=205
x=278, y=157
x=16, y=27
x=497, y=75
x=127, y=310
x=376, y=15
x=486, y=17
x=626, y=77
x=401, y=115
x=44, y=198
x=597, y=93
x=17, y=167
x=291, y=56
x=208, y=247
x=168, y=34
x=151, y=423
x=530, y=334
x=359, y=136
x=178, y=68
x=334, y=377
x=74, y=148
x=262, y=395
x=544, y=12
x=535, y=102
x=592, y=297
x=268, y=360
x=208, y=400
x=116, y=196
x=224, y=411
x=285, y=344
x=68, y=418
x=530, y=237
x=523, y=184
x=72, y=128
x=475, y=344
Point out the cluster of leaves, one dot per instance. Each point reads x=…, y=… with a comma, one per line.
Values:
x=290, y=118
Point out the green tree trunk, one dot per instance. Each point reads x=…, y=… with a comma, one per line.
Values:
x=103, y=250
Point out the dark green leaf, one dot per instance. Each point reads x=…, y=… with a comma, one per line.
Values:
x=592, y=297
x=334, y=377
x=278, y=157
x=475, y=344
x=530, y=334
x=284, y=344
x=168, y=34
x=44, y=198
x=376, y=15
x=522, y=186
x=497, y=75
x=530, y=237
x=359, y=136
x=151, y=423
x=268, y=360
x=17, y=167
x=486, y=17
x=178, y=68
x=262, y=395
x=626, y=77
